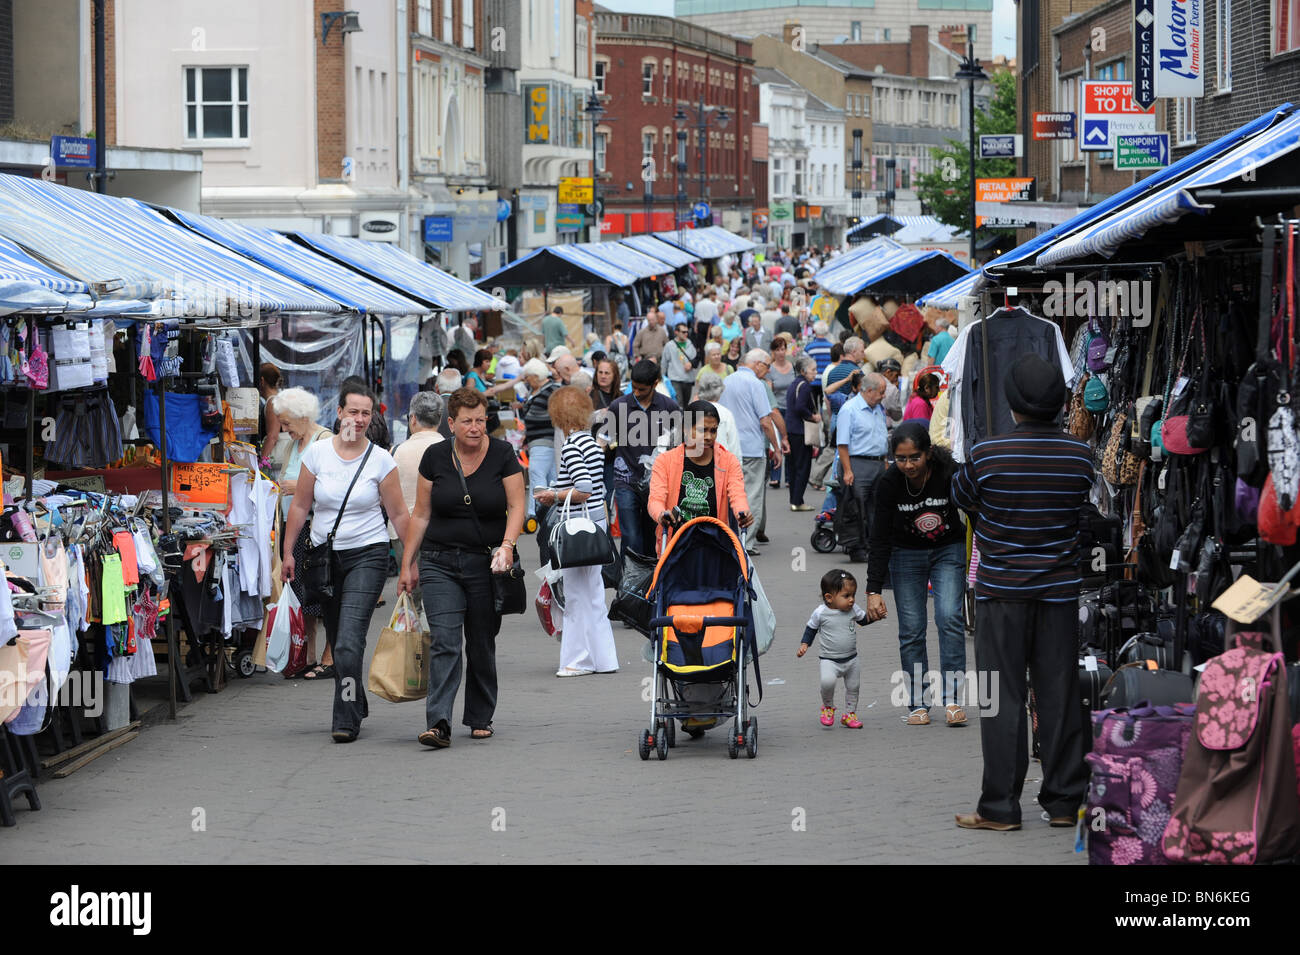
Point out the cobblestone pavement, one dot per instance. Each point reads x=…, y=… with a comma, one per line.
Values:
x=560, y=782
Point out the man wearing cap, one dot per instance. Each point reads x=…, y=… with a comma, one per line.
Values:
x=554, y=331
x=1024, y=491
x=650, y=341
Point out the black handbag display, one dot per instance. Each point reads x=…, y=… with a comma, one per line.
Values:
x=317, y=566
x=509, y=595
x=579, y=541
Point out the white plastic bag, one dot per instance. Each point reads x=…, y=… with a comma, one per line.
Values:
x=280, y=638
x=764, y=616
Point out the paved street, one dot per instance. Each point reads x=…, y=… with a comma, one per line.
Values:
x=560, y=782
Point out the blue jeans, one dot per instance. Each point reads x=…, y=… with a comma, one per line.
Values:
x=457, y=589
x=638, y=533
x=830, y=502
x=945, y=568
x=541, y=472
x=359, y=577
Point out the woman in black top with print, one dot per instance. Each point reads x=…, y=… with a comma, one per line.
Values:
x=919, y=538
x=458, y=555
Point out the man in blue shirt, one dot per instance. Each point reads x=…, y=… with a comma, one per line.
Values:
x=863, y=438
x=746, y=397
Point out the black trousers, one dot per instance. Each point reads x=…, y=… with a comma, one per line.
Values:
x=1010, y=637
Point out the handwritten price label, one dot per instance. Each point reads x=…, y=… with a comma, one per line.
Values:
x=201, y=483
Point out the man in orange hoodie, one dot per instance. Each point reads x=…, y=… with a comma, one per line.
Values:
x=700, y=478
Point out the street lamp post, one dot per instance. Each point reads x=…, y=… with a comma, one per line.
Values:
x=595, y=110
x=681, y=182
x=703, y=121
x=970, y=70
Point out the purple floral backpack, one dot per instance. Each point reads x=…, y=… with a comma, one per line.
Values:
x=1137, y=754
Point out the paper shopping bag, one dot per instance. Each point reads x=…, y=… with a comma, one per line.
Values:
x=399, y=670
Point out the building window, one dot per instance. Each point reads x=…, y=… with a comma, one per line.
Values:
x=601, y=66
x=1185, y=120
x=647, y=79
x=1223, y=56
x=1111, y=71
x=1066, y=98
x=580, y=70
x=855, y=31
x=467, y=26
x=887, y=35
x=216, y=103
x=1286, y=25
x=881, y=96
x=448, y=26
x=927, y=99
x=602, y=143
x=424, y=23
x=798, y=177
x=668, y=78
x=648, y=144
x=778, y=176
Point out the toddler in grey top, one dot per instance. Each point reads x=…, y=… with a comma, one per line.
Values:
x=834, y=624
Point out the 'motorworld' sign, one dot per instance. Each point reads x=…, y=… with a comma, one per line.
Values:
x=1179, y=47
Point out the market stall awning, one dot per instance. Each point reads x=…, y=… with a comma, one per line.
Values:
x=899, y=272
x=558, y=266
x=909, y=230
x=711, y=242
x=950, y=295
x=660, y=249
x=1028, y=251
x=123, y=247
x=389, y=265
x=1171, y=202
x=628, y=259
x=853, y=259
x=277, y=252
x=27, y=285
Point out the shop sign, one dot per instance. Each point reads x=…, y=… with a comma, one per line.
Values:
x=537, y=106
x=72, y=152
x=612, y=224
x=201, y=483
x=380, y=226
x=568, y=217
x=760, y=219
x=1179, y=31
x=1053, y=126
x=782, y=211
x=533, y=202
x=1108, y=112
x=438, y=229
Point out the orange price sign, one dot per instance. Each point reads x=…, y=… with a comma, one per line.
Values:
x=201, y=483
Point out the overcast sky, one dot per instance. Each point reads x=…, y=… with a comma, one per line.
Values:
x=1004, y=18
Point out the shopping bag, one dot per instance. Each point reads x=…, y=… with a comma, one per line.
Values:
x=399, y=670
x=285, y=617
x=548, y=611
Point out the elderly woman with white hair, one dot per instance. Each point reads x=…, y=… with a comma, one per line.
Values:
x=297, y=410
x=539, y=432
x=713, y=361
x=709, y=387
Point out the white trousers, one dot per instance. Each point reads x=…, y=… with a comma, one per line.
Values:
x=587, y=640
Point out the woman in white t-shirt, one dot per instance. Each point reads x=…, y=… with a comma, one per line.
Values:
x=360, y=541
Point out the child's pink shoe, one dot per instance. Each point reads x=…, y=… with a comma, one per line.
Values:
x=851, y=721
x=828, y=716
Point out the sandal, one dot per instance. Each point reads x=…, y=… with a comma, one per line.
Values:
x=851, y=721
x=299, y=674
x=481, y=732
x=319, y=672
x=437, y=737
x=918, y=717
x=828, y=716
x=955, y=714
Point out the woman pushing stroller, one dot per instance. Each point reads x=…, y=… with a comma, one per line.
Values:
x=699, y=478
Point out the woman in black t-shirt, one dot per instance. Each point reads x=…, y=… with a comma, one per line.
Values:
x=460, y=546
x=919, y=538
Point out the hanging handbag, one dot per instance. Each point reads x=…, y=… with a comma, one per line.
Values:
x=317, y=566
x=1081, y=422
x=579, y=541
x=1118, y=466
x=509, y=595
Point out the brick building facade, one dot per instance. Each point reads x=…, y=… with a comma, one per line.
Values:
x=647, y=68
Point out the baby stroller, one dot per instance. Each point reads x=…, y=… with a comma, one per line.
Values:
x=703, y=633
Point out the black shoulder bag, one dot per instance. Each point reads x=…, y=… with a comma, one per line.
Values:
x=508, y=592
x=318, y=562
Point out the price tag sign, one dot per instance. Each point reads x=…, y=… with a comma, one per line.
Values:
x=1247, y=600
x=201, y=483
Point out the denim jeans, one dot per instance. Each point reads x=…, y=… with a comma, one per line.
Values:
x=755, y=472
x=359, y=577
x=457, y=588
x=912, y=569
x=541, y=472
x=634, y=524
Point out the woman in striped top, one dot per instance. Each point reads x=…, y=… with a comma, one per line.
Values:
x=586, y=640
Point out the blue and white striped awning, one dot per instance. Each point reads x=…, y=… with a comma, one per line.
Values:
x=123, y=247
x=852, y=259
x=628, y=259
x=711, y=242
x=660, y=249
x=388, y=264
x=577, y=267
x=883, y=272
x=1175, y=200
x=28, y=286
x=950, y=295
x=275, y=251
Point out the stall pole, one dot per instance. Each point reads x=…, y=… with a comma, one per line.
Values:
x=31, y=442
x=173, y=645
x=101, y=100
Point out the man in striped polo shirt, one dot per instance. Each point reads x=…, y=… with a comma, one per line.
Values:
x=1025, y=490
